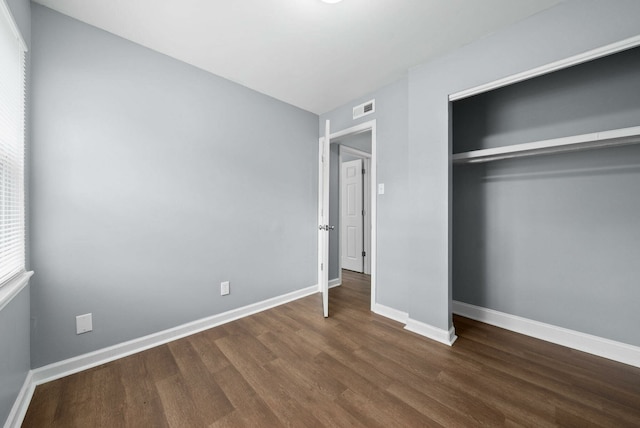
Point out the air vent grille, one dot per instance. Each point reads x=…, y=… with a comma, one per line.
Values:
x=364, y=109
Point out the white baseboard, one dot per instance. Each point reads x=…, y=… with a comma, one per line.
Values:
x=20, y=406
x=92, y=359
x=443, y=336
x=335, y=282
x=391, y=313
x=616, y=351
x=101, y=356
x=426, y=330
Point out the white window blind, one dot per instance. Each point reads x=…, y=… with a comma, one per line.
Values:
x=12, y=94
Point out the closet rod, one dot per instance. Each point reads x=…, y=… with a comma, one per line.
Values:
x=594, y=140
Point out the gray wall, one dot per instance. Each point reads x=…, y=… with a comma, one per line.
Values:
x=14, y=318
x=537, y=236
x=128, y=148
x=393, y=207
x=348, y=157
x=414, y=227
x=361, y=142
x=152, y=182
x=594, y=96
x=14, y=352
x=565, y=30
x=553, y=239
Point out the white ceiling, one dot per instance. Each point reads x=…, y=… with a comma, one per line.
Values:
x=307, y=53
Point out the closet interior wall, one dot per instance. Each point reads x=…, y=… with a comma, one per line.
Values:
x=552, y=238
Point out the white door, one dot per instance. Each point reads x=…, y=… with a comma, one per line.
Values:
x=323, y=218
x=352, y=216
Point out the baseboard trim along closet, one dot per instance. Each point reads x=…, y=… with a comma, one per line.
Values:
x=335, y=282
x=443, y=336
x=430, y=332
x=92, y=359
x=394, y=314
x=606, y=348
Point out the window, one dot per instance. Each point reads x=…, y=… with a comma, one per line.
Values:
x=12, y=94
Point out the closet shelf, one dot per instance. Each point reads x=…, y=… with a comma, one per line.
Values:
x=594, y=140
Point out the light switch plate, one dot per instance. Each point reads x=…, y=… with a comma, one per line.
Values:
x=380, y=188
x=84, y=323
x=224, y=288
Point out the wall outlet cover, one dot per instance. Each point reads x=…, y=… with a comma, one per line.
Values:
x=84, y=323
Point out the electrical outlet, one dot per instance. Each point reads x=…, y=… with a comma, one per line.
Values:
x=84, y=323
x=224, y=288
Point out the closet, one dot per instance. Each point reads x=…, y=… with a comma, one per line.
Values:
x=546, y=198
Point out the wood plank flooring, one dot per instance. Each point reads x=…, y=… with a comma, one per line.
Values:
x=289, y=366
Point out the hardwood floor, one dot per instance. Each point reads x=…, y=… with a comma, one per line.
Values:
x=289, y=366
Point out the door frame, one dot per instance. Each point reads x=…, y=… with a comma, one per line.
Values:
x=357, y=129
x=367, y=206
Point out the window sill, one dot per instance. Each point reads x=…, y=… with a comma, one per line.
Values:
x=13, y=287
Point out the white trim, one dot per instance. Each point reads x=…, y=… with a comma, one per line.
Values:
x=355, y=152
x=391, y=313
x=439, y=335
x=443, y=336
x=105, y=355
x=20, y=406
x=616, y=351
x=373, y=202
x=335, y=282
x=366, y=159
x=320, y=219
x=357, y=129
x=77, y=364
x=622, y=45
x=323, y=234
x=12, y=288
x=339, y=219
x=367, y=216
x=6, y=11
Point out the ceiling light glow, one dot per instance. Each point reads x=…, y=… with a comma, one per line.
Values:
x=332, y=1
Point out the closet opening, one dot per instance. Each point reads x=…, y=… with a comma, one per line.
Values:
x=545, y=198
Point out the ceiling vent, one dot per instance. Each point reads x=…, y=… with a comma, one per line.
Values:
x=364, y=109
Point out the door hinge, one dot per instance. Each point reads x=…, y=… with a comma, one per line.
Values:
x=321, y=266
x=362, y=212
x=364, y=254
x=362, y=171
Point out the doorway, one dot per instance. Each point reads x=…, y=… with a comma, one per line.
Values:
x=354, y=204
x=359, y=142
